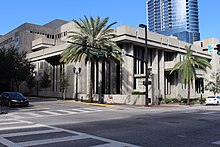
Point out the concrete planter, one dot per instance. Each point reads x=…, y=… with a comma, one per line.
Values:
x=127, y=99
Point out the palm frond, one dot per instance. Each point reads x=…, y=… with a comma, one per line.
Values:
x=97, y=34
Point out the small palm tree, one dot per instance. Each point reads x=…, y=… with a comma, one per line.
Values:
x=187, y=68
x=95, y=35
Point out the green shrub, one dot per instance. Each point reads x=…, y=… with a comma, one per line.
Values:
x=201, y=100
x=169, y=100
x=192, y=100
x=175, y=100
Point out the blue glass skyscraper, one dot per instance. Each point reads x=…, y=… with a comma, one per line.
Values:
x=174, y=17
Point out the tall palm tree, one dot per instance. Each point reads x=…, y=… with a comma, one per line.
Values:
x=88, y=40
x=187, y=68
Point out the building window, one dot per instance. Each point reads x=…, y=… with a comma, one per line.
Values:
x=139, y=53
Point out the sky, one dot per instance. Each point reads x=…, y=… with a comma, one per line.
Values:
x=131, y=12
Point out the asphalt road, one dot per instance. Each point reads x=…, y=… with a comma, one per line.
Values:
x=66, y=123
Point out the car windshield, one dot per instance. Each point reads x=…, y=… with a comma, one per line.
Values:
x=16, y=95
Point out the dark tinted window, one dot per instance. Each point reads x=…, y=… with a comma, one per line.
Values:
x=16, y=95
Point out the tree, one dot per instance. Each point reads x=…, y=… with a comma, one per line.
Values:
x=90, y=34
x=187, y=68
x=16, y=66
x=5, y=65
x=214, y=84
x=45, y=81
x=63, y=84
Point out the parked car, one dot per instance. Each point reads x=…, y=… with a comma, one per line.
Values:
x=13, y=99
x=214, y=100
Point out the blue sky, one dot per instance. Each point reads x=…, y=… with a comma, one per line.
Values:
x=131, y=12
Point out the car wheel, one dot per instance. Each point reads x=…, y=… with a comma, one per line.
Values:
x=27, y=105
x=9, y=103
x=217, y=103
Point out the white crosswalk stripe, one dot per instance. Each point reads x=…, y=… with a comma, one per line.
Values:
x=51, y=112
x=46, y=113
x=46, y=137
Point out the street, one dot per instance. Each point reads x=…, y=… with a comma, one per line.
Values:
x=58, y=123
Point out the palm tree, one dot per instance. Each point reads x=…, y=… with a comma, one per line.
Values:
x=187, y=68
x=88, y=40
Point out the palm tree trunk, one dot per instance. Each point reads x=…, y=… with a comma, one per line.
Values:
x=91, y=82
x=188, y=93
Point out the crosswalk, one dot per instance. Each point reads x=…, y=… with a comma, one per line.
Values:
x=47, y=113
x=19, y=133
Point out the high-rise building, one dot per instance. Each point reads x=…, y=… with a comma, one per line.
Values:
x=174, y=17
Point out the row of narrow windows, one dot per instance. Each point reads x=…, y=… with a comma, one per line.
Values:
x=57, y=36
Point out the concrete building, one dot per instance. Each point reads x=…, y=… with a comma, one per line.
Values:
x=44, y=45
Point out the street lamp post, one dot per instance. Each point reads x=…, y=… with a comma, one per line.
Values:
x=37, y=78
x=76, y=72
x=146, y=63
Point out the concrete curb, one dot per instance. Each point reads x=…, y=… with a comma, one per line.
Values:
x=87, y=103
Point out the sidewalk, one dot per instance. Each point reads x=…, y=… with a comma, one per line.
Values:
x=161, y=106
x=41, y=99
x=116, y=105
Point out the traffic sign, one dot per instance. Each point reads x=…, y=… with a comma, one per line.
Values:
x=210, y=48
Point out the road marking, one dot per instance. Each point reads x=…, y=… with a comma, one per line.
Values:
x=30, y=133
x=20, y=127
x=216, y=142
x=8, y=123
x=13, y=121
x=53, y=140
x=73, y=136
x=32, y=108
x=89, y=109
x=51, y=112
x=8, y=142
x=67, y=111
x=110, y=143
x=33, y=114
x=46, y=113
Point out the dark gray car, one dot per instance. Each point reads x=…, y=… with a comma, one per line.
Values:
x=13, y=99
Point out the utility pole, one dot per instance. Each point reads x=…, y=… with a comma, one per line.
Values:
x=146, y=65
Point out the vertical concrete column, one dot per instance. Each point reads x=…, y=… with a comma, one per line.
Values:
x=100, y=77
x=95, y=77
x=58, y=78
x=155, y=72
x=55, y=78
x=127, y=70
x=88, y=77
x=161, y=74
x=178, y=80
x=71, y=80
